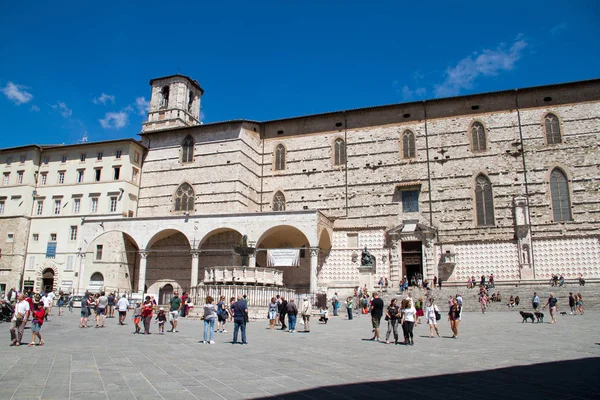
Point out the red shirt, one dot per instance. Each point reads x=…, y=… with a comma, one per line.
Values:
x=38, y=316
x=30, y=301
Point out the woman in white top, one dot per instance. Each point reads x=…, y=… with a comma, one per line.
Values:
x=408, y=321
x=430, y=314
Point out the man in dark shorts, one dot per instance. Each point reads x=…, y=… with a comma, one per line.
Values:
x=376, y=313
x=283, y=312
x=110, y=309
x=174, y=310
x=123, y=305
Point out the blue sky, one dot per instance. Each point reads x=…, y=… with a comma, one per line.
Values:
x=71, y=67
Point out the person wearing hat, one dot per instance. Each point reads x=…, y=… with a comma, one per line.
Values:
x=161, y=318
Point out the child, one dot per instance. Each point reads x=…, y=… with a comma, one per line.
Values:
x=324, y=313
x=38, y=320
x=161, y=318
x=137, y=316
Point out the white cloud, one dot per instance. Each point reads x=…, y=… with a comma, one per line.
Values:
x=62, y=109
x=114, y=120
x=104, y=98
x=486, y=63
x=558, y=29
x=17, y=93
x=142, y=105
x=34, y=108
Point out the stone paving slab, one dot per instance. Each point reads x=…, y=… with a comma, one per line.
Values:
x=495, y=354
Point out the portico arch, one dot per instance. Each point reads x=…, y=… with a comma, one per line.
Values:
x=168, y=261
x=216, y=248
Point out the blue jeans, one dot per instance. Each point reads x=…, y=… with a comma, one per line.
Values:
x=209, y=329
x=292, y=322
x=239, y=324
x=349, y=313
x=335, y=309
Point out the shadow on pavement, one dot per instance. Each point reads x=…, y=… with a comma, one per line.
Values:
x=573, y=379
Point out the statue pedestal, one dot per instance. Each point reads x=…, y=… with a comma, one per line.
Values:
x=365, y=276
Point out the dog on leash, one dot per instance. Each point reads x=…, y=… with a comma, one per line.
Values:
x=539, y=316
x=563, y=313
x=526, y=316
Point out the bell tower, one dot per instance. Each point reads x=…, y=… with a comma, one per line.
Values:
x=175, y=102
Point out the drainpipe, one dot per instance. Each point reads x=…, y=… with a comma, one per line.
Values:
x=525, y=178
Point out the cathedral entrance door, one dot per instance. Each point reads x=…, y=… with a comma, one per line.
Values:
x=412, y=259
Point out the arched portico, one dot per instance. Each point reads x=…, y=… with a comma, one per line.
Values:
x=168, y=260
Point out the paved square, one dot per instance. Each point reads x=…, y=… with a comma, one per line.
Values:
x=496, y=355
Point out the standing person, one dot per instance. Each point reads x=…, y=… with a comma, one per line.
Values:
x=305, y=311
x=70, y=301
x=392, y=314
x=431, y=313
x=376, y=314
x=210, y=314
x=50, y=296
x=483, y=302
x=47, y=306
x=419, y=307
x=161, y=318
x=349, y=304
x=454, y=318
x=579, y=303
x=147, y=309
x=408, y=321
x=36, y=325
x=137, y=317
x=335, y=303
x=272, y=313
x=101, y=309
x=459, y=300
x=535, y=302
x=111, y=305
x=240, y=317
x=61, y=302
x=17, y=323
x=174, y=310
x=435, y=282
x=85, y=310
x=552, y=306
x=440, y=282
x=292, y=312
x=282, y=312
x=122, y=305
x=232, y=301
x=222, y=315
x=572, y=303
x=184, y=298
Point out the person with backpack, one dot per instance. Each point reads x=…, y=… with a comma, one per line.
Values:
x=392, y=316
x=222, y=315
x=432, y=313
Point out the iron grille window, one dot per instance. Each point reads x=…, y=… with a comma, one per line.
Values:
x=484, y=201
x=559, y=190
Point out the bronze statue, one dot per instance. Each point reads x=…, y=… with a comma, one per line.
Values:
x=366, y=259
x=244, y=250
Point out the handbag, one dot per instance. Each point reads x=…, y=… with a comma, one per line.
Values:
x=438, y=316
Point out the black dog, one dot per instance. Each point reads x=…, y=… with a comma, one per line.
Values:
x=563, y=313
x=540, y=317
x=526, y=316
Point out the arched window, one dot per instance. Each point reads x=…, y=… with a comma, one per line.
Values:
x=97, y=279
x=187, y=150
x=478, y=137
x=165, y=97
x=339, y=152
x=280, y=158
x=552, y=128
x=279, y=202
x=408, y=145
x=561, y=201
x=484, y=201
x=184, y=198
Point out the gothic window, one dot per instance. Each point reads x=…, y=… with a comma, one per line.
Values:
x=339, y=152
x=478, y=137
x=184, y=198
x=165, y=97
x=279, y=202
x=187, y=150
x=559, y=190
x=484, y=201
x=408, y=145
x=280, y=158
x=552, y=129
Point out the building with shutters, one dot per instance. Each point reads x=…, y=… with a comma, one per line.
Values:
x=504, y=183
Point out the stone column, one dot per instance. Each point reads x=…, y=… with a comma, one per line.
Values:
x=314, y=262
x=142, y=274
x=194, y=277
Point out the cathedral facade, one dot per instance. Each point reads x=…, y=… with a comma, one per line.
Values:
x=504, y=183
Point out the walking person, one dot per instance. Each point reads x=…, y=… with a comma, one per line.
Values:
x=292, y=312
x=305, y=311
x=535, y=302
x=349, y=305
x=376, y=314
x=272, y=313
x=454, y=317
x=408, y=321
x=174, y=310
x=335, y=303
x=283, y=312
x=47, y=306
x=419, y=306
x=61, y=302
x=101, y=309
x=36, y=325
x=122, y=306
x=552, y=306
x=85, y=310
x=392, y=315
x=222, y=315
x=70, y=302
x=239, y=310
x=579, y=303
x=483, y=302
x=17, y=323
x=210, y=314
x=137, y=317
x=161, y=318
x=110, y=309
x=51, y=296
x=432, y=313
x=572, y=303
x=147, y=309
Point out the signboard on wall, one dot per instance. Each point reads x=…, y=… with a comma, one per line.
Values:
x=283, y=257
x=28, y=283
x=51, y=250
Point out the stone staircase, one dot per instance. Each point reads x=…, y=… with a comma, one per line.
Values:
x=590, y=293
